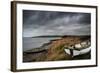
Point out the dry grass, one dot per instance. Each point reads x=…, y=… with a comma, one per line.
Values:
x=56, y=51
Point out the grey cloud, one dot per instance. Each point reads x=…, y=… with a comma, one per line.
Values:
x=38, y=23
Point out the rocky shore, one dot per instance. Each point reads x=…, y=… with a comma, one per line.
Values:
x=55, y=49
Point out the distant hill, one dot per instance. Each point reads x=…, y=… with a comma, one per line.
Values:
x=43, y=36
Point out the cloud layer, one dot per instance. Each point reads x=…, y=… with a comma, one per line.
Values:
x=37, y=23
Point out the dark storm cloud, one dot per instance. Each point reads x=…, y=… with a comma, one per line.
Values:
x=37, y=23
x=86, y=19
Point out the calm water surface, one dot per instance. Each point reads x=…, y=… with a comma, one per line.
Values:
x=30, y=43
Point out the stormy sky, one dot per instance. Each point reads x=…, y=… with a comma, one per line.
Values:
x=40, y=23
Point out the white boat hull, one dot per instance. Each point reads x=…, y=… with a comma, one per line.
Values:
x=77, y=52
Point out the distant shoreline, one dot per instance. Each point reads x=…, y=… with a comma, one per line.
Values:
x=62, y=36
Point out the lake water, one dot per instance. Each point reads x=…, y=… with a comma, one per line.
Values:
x=30, y=43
